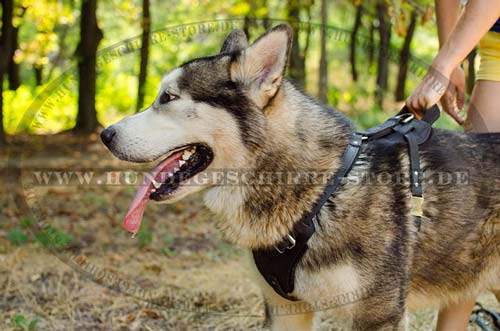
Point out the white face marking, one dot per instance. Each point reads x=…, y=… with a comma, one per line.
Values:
x=154, y=132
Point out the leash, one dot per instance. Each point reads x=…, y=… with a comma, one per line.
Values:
x=277, y=265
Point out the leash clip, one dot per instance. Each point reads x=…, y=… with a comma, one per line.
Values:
x=291, y=244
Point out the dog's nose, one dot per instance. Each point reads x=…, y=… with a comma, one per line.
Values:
x=107, y=135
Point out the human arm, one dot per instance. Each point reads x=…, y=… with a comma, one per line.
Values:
x=475, y=21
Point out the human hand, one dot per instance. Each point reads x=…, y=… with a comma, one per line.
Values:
x=432, y=89
x=453, y=98
x=428, y=92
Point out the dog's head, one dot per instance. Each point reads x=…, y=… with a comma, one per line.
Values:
x=209, y=114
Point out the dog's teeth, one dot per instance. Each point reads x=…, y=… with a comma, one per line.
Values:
x=176, y=169
x=170, y=174
x=153, y=190
x=156, y=184
x=181, y=163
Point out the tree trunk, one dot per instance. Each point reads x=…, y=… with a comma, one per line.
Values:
x=383, y=55
x=38, y=70
x=5, y=54
x=371, y=44
x=323, y=77
x=354, y=33
x=297, y=67
x=90, y=36
x=266, y=21
x=404, y=58
x=308, y=30
x=471, y=72
x=246, y=26
x=143, y=72
x=13, y=67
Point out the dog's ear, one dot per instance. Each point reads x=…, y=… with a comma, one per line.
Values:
x=261, y=67
x=236, y=41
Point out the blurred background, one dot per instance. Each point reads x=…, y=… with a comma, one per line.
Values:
x=372, y=55
x=70, y=67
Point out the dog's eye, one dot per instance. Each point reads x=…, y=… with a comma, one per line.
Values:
x=167, y=97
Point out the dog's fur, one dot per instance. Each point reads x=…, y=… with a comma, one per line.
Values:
x=239, y=104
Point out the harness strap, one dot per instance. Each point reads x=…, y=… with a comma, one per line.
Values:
x=416, y=175
x=277, y=264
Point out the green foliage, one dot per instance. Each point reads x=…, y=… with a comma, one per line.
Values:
x=17, y=237
x=170, y=252
x=168, y=240
x=49, y=34
x=145, y=236
x=26, y=223
x=53, y=238
x=20, y=323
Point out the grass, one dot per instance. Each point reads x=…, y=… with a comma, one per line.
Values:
x=21, y=323
x=177, y=248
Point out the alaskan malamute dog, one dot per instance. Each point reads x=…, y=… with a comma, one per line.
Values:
x=235, y=110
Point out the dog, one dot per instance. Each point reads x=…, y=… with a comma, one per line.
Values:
x=236, y=110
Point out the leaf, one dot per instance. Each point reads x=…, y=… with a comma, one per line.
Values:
x=151, y=313
x=168, y=251
x=145, y=237
x=19, y=321
x=401, y=26
x=53, y=238
x=153, y=267
x=427, y=15
x=32, y=325
x=240, y=9
x=17, y=237
x=129, y=318
x=26, y=223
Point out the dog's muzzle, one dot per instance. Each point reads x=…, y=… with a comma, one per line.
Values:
x=107, y=135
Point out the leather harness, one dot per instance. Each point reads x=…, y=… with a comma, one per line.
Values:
x=277, y=265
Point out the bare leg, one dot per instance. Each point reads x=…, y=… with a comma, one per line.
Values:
x=483, y=114
x=455, y=317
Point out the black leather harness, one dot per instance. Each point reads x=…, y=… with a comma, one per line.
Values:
x=277, y=265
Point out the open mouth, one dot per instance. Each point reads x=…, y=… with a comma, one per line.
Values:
x=161, y=182
x=178, y=167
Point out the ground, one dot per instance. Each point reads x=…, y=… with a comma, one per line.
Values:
x=176, y=274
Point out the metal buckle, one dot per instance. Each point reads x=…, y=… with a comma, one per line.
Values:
x=291, y=245
x=417, y=206
x=405, y=118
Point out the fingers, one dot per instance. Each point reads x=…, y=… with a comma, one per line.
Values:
x=460, y=98
x=416, y=102
x=452, y=112
x=453, y=95
x=427, y=93
x=413, y=105
x=447, y=99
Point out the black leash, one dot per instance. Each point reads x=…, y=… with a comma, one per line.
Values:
x=277, y=265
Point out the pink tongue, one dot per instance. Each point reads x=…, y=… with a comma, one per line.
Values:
x=133, y=219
